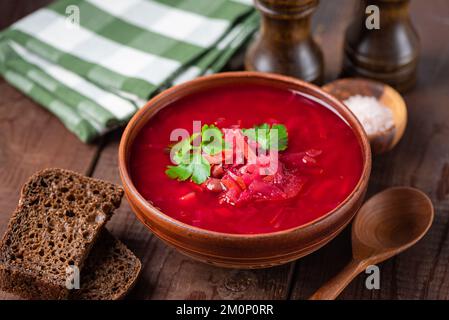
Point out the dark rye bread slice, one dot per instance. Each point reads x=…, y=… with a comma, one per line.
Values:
x=59, y=216
x=110, y=271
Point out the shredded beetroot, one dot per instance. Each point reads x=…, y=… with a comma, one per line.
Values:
x=243, y=184
x=255, y=181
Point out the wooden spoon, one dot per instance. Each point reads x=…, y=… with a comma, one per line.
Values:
x=387, y=224
x=389, y=97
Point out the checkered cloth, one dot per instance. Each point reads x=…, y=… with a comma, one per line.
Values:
x=94, y=63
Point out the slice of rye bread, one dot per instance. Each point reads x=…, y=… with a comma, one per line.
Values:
x=58, y=219
x=110, y=271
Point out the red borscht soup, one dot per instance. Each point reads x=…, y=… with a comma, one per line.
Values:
x=319, y=160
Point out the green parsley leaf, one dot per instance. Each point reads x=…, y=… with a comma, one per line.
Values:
x=211, y=139
x=262, y=135
x=201, y=168
x=180, y=150
x=197, y=169
x=181, y=172
x=282, y=136
x=187, y=155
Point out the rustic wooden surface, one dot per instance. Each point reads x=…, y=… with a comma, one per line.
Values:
x=32, y=139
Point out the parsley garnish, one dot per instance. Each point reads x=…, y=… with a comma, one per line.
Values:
x=190, y=163
x=262, y=134
x=197, y=169
x=189, y=159
x=211, y=139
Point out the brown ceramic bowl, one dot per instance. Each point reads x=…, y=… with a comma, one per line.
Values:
x=235, y=250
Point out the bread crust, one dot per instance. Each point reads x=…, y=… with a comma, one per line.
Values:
x=110, y=272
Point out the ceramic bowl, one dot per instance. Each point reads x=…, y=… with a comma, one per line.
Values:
x=236, y=250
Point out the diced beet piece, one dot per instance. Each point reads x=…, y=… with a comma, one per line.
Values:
x=230, y=196
x=265, y=191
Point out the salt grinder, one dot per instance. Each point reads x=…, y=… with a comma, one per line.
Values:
x=284, y=44
x=387, y=52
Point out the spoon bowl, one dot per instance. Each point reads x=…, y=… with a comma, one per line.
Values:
x=390, y=222
x=386, y=225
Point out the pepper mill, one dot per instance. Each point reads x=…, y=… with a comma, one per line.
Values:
x=388, y=53
x=284, y=44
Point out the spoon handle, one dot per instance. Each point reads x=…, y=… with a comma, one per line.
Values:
x=336, y=285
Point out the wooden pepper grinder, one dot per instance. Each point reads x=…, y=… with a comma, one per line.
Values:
x=284, y=44
x=388, y=53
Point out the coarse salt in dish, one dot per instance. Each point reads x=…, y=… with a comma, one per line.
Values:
x=372, y=114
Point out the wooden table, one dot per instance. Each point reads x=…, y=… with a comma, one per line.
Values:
x=33, y=139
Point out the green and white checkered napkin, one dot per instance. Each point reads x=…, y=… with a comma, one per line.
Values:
x=96, y=74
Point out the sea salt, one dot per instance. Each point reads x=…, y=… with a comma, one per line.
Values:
x=373, y=115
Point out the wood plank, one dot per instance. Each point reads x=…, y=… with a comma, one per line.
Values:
x=32, y=139
x=420, y=160
x=170, y=275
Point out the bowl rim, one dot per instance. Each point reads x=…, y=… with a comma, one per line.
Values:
x=185, y=227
